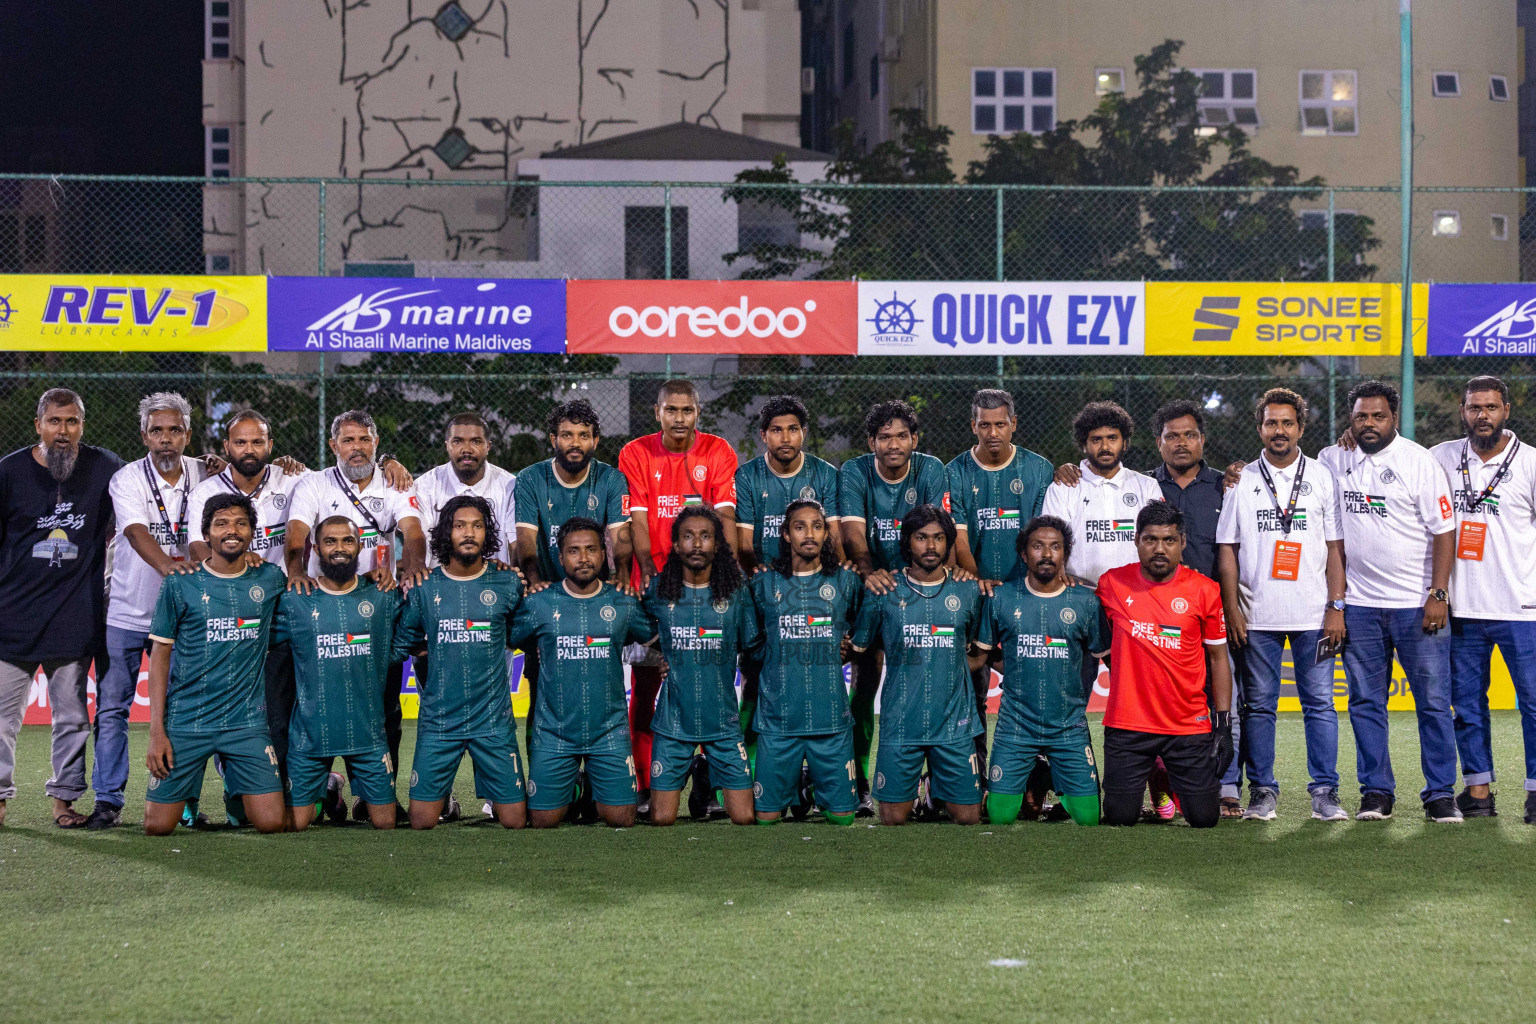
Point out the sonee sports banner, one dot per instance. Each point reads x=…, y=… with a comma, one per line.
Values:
x=1229, y=318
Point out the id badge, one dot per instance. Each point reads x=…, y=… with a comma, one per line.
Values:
x=1469, y=541
x=1287, y=563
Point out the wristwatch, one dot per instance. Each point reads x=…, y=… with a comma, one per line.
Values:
x=1439, y=595
x=1338, y=605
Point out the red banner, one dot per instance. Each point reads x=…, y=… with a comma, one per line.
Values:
x=39, y=713
x=713, y=317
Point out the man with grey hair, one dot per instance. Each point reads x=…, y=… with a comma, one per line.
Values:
x=55, y=518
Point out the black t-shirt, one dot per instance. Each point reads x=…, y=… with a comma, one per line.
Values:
x=53, y=553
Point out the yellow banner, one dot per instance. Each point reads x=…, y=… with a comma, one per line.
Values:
x=132, y=313
x=1501, y=690
x=1220, y=318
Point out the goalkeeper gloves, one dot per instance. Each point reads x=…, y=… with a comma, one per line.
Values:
x=1221, y=741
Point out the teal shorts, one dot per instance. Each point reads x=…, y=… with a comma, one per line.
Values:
x=671, y=759
x=956, y=774
x=1073, y=771
x=371, y=775
x=497, y=763
x=250, y=765
x=832, y=772
x=552, y=778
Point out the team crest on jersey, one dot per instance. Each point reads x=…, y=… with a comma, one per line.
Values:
x=154, y=783
x=1180, y=605
x=1130, y=500
x=413, y=777
x=721, y=607
x=1067, y=616
x=656, y=768
x=698, y=473
x=377, y=504
x=911, y=495
x=757, y=790
x=1387, y=476
x=533, y=787
x=591, y=503
x=1016, y=486
x=487, y=597
x=952, y=603
x=996, y=772
x=257, y=593
x=827, y=591
x=279, y=501
x=607, y=613
x=879, y=780
x=1306, y=488
x=365, y=609
x=808, y=493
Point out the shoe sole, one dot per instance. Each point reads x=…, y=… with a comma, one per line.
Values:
x=1444, y=821
x=1479, y=814
x=1259, y=817
x=1373, y=816
x=1341, y=816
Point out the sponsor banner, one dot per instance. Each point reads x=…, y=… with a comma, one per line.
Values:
x=1482, y=319
x=391, y=314
x=132, y=313
x=38, y=711
x=711, y=317
x=1212, y=318
x=943, y=318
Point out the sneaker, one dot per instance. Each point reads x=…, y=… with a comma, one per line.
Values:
x=713, y=808
x=402, y=816
x=191, y=817
x=1375, y=807
x=451, y=811
x=805, y=796
x=332, y=804
x=1326, y=807
x=699, y=795
x=359, y=809
x=866, y=808
x=104, y=816
x=486, y=809
x=1476, y=807
x=1442, y=809
x=1163, y=808
x=1530, y=807
x=1261, y=805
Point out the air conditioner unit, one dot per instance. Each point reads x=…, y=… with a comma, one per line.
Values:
x=807, y=81
x=890, y=49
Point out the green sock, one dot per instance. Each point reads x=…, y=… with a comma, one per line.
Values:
x=769, y=821
x=1084, y=809
x=839, y=819
x=1003, y=809
x=748, y=734
x=862, y=707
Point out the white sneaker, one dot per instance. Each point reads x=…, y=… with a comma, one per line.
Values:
x=1326, y=806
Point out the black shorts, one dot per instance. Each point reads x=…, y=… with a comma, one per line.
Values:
x=1191, y=764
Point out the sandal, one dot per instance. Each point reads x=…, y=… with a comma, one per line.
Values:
x=1231, y=807
x=70, y=818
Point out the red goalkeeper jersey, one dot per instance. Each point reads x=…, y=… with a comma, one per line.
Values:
x=662, y=484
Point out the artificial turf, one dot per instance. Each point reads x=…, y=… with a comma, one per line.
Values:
x=1287, y=920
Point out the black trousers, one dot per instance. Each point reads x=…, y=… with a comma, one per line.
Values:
x=1191, y=764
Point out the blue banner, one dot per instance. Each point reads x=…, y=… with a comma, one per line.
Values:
x=392, y=314
x=1482, y=319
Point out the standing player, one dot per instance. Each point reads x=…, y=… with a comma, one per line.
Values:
x=667, y=471
x=806, y=604
x=1047, y=631
x=1493, y=476
x=1166, y=624
x=1399, y=544
x=467, y=471
x=705, y=619
x=344, y=631
x=875, y=491
x=926, y=626
x=208, y=700
x=461, y=616
x=579, y=720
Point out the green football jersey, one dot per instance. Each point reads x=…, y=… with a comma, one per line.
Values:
x=465, y=625
x=544, y=503
x=862, y=493
x=1044, y=641
x=993, y=504
x=342, y=648
x=701, y=638
x=580, y=707
x=762, y=496
x=926, y=697
x=220, y=628
x=801, y=691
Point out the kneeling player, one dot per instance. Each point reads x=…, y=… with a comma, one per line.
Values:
x=806, y=604
x=342, y=635
x=1047, y=632
x=580, y=714
x=927, y=707
x=210, y=699
x=705, y=619
x=461, y=615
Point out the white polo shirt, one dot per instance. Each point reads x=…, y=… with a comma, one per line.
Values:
x=1250, y=520
x=271, y=499
x=135, y=583
x=1502, y=584
x=1391, y=506
x=436, y=486
x=325, y=493
x=1102, y=514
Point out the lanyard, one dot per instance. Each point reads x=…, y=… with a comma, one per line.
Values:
x=255, y=496
x=346, y=488
x=1290, y=508
x=181, y=524
x=1466, y=475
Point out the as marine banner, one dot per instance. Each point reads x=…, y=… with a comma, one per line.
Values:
x=132, y=313
x=1482, y=319
x=1215, y=318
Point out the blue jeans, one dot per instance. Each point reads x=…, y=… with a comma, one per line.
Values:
x=1232, y=782
x=115, y=689
x=1374, y=634
x=1261, y=698
x=1472, y=642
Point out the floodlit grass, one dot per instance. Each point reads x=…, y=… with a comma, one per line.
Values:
x=1289, y=920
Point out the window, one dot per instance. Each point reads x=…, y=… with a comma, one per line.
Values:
x=217, y=263
x=848, y=70
x=1006, y=100
x=645, y=242
x=1446, y=223
x=1498, y=88
x=874, y=75
x=1329, y=103
x=1228, y=97
x=760, y=222
x=452, y=22
x=1108, y=80
x=1500, y=228
x=216, y=37
x=217, y=151
x=1446, y=83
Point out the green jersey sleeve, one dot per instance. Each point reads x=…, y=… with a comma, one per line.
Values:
x=749, y=627
x=528, y=498
x=866, y=627
x=282, y=628
x=746, y=496
x=853, y=491
x=827, y=488
x=168, y=608
x=959, y=507
x=615, y=499
x=932, y=481
x=411, y=627
x=641, y=625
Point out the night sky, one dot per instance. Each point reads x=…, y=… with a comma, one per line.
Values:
x=88, y=86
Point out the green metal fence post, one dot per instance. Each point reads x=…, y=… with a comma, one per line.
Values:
x=666, y=216
x=320, y=459
x=1405, y=62
x=1000, y=271
x=1333, y=412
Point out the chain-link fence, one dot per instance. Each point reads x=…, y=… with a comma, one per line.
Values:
x=75, y=224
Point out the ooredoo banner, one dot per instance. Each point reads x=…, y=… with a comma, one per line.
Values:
x=971, y=318
x=132, y=313
x=748, y=317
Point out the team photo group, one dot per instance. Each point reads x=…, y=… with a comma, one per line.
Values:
x=280, y=605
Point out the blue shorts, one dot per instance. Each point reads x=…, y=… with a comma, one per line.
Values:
x=832, y=771
x=671, y=759
x=371, y=775
x=250, y=765
x=495, y=759
x=956, y=774
x=552, y=778
x=1073, y=772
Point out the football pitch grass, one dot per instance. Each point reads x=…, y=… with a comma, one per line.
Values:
x=1287, y=920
